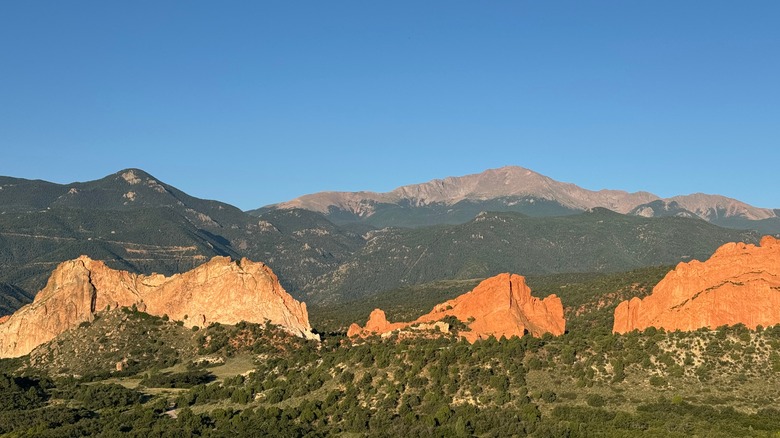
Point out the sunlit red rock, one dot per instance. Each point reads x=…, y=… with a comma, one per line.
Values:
x=739, y=284
x=220, y=290
x=499, y=306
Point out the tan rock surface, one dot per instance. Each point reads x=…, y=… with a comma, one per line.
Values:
x=740, y=283
x=514, y=181
x=218, y=291
x=490, y=184
x=499, y=306
x=354, y=330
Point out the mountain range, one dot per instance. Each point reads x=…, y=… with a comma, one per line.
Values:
x=598, y=240
x=328, y=247
x=457, y=199
x=107, y=352
x=133, y=221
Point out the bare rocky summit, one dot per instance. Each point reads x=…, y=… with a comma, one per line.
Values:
x=509, y=181
x=220, y=290
x=498, y=306
x=715, y=207
x=739, y=284
x=511, y=184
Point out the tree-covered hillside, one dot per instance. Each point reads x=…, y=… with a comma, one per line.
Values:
x=133, y=221
x=596, y=241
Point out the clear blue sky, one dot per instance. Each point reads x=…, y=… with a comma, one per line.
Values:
x=258, y=102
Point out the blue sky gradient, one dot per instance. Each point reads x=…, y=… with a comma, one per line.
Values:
x=258, y=102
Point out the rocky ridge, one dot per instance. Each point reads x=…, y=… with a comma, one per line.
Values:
x=220, y=290
x=512, y=183
x=739, y=284
x=509, y=181
x=136, y=222
x=498, y=306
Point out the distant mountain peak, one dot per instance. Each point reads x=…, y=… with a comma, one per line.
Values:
x=135, y=177
x=502, y=182
x=139, y=173
x=712, y=207
x=456, y=199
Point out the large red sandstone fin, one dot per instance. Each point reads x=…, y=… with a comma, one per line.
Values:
x=739, y=284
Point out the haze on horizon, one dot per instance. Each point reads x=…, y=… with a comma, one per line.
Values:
x=261, y=102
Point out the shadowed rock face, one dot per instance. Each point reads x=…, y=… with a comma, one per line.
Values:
x=740, y=283
x=499, y=306
x=220, y=291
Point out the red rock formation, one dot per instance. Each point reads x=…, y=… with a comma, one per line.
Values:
x=499, y=306
x=354, y=329
x=377, y=323
x=739, y=284
x=218, y=291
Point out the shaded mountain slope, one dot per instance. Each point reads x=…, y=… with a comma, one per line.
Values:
x=596, y=241
x=144, y=240
x=135, y=222
x=12, y=298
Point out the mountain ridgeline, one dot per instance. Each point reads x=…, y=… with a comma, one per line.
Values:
x=101, y=352
x=596, y=241
x=456, y=200
x=325, y=253
x=132, y=221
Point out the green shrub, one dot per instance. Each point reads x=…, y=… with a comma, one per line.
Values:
x=595, y=400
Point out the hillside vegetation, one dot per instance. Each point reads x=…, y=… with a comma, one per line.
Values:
x=135, y=222
x=587, y=382
x=597, y=241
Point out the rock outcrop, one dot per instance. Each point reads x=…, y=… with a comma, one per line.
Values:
x=739, y=284
x=499, y=306
x=220, y=290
